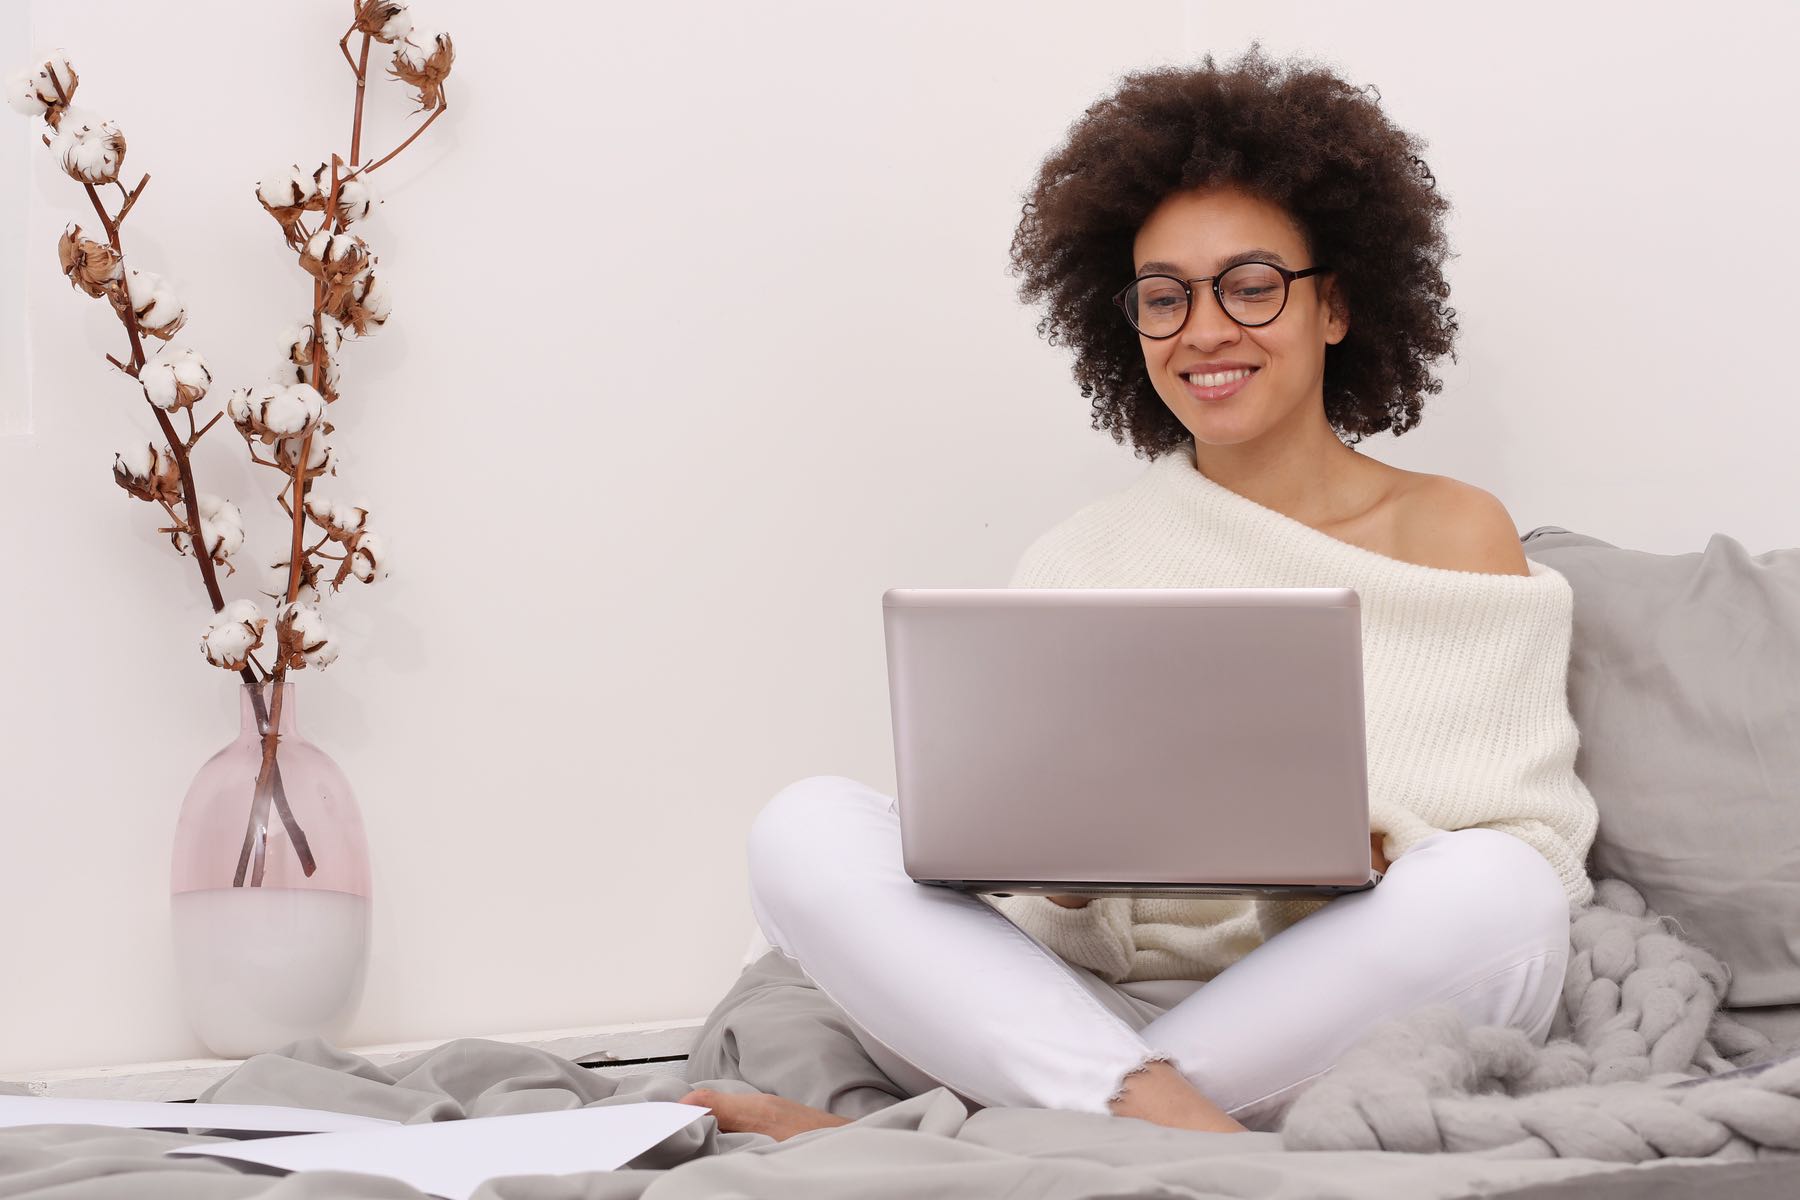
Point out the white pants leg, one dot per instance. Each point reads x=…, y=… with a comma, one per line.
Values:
x=1473, y=918
x=948, y=992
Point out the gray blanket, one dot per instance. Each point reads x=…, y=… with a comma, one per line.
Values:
x=774, y=1031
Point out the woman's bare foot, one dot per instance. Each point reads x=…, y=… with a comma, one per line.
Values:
x=759, y=1112
x=1162, y=1095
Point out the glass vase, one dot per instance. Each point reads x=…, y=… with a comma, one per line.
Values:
x=269, y=901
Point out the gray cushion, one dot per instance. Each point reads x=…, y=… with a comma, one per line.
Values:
x=1684, y=682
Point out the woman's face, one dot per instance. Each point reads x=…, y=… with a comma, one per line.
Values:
x=1198, y=233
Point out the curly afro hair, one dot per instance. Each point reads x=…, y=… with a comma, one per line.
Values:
x=1302, y=139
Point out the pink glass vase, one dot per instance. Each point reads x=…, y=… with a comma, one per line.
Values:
x=269, y=900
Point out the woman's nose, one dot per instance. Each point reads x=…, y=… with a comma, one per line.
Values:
x=1208, y=326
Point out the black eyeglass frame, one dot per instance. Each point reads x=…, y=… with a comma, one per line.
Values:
x=1187, y=286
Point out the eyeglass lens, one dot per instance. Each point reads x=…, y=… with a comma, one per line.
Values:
x=1253, y=292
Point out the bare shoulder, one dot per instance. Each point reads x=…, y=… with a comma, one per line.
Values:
x=1457, y=526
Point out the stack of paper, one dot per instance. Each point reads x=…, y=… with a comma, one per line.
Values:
x=445, y=1158
x=453, y=1158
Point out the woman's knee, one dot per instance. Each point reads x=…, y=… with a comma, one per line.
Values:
x=1486, y=884
x=1492, y=924
x=791, y=838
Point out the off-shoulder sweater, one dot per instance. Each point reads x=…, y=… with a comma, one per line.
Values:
x=1464, y=689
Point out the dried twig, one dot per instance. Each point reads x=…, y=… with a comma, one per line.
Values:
x=251, y=857
x=120, y=301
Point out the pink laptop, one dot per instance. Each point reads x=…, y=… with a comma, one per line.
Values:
x=1130, y=741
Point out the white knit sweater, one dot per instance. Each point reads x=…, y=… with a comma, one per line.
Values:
x=1465, y=707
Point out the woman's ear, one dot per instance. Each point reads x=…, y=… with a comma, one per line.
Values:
x=1337, y=325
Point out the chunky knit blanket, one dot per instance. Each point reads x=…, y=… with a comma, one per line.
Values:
x=1639, y=1064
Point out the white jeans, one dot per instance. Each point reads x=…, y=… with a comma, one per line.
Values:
x=943, y=990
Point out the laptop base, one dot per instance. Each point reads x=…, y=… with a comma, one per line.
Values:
x=1010, y=887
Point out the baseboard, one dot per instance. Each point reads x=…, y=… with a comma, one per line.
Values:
x=651, y=1047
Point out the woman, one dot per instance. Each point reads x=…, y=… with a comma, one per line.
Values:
x=1247, y=264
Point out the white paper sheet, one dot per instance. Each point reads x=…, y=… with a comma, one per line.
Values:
x=453, y=1158
x=156, y=1114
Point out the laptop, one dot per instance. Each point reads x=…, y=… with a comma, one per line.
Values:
x=1130, y=741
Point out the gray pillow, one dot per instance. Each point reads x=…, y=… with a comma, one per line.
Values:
x=1684, y=682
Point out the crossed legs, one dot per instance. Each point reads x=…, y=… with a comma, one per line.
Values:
x=950, y=993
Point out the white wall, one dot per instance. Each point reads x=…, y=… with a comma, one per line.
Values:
x=638, y=569
x=16, y=157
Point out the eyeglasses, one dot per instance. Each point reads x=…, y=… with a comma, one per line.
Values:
x=1252, y=294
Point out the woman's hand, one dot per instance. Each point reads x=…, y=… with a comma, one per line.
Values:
x=1376, y=858
x=1072, y=901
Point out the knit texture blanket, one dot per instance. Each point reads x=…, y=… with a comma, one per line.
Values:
x=1639, y=1064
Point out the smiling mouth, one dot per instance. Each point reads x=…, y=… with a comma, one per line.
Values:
x=1219, y=391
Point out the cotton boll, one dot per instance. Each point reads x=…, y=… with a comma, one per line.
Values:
x=366, y=306
x=90, y=148
x=297, y=350
x=423, y=61
x=318, y=507
x=56, y=61
x=244, y=611
x=240, y=407
x=21, y=93
x=292, y=372
x=356, y=199
x=175, y=379
x=233, y=633
x=94, y=267
x=221, y=528
x=297, y=339
x=304, y=636
x=337, y=260
x=97, y=155
x=149, y=473
x=287, y=193
x=159, y=311
x=133, y=470
x=424, y=51
x=275, y=581
x=164, y=316
x=137, y=464
x=320, y=457
x=140, y=286
x=295, y=410
x=309, y=400
x=369, y=561
x=326, y=249
x=287, y=187
x=384, y=20
x=229, y=643
x=228, y=646
x=375, y=301
x=281, y=414
x=339, y=520
x=31, y=89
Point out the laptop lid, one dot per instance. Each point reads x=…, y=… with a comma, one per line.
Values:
x=1135, y=741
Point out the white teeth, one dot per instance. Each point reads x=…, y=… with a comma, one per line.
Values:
x=1215, y=380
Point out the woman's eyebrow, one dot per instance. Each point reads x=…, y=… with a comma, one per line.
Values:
x=1232, y=261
